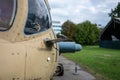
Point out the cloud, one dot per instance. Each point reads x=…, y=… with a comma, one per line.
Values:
x=80, y=10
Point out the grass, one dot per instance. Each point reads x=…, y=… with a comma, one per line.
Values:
x=103, y=63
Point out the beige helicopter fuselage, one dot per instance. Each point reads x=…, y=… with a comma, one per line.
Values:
x=26, y=57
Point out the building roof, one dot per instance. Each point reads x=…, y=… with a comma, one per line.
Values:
x=111, y=29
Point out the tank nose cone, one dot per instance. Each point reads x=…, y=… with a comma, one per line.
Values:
x=78, y=47
x=65, y=47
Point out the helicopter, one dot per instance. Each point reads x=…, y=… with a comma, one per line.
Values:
x=29, y=48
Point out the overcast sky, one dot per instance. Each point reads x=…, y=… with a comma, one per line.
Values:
x=78, y=11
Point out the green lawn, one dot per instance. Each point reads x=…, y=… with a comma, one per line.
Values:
x=103, y=63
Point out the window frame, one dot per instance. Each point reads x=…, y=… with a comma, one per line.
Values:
x=49, y=19
x=12, y=18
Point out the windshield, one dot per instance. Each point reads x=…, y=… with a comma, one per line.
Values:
x=38, y=17
x=7, y=13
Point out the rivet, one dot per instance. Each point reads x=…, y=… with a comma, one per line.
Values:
x=18, y=34
x=13, y=78
x=18, y=53
x=12, y=53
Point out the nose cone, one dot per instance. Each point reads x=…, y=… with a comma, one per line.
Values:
x=65, y=47
x=78, y=47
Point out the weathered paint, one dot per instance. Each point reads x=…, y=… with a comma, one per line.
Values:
x=24, y=57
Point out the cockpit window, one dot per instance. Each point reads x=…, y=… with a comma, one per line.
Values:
x=7, y=13
x=38, y=17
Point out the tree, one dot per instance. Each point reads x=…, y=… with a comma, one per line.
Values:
x=69, y=29
x=115, y=12
x=87, y=33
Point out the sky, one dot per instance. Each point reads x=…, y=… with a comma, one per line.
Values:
x=79, y=11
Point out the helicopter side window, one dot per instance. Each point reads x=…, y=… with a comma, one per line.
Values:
x=7, y=14
x=38, y=17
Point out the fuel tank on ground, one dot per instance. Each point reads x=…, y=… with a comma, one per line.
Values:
x=65, y=47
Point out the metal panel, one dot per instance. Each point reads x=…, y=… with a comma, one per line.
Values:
x=12, y=61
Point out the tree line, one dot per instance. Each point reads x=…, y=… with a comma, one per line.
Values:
x=86, y=33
